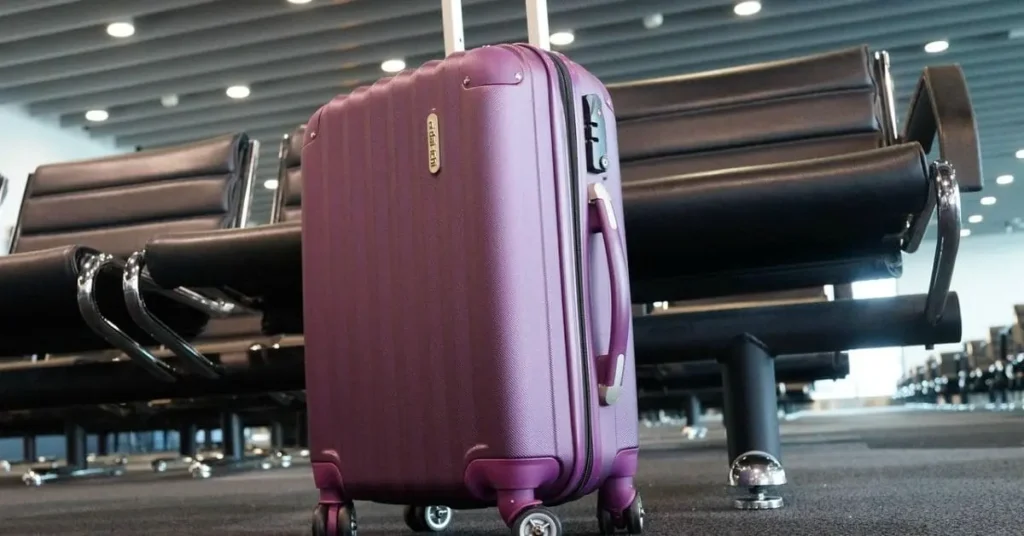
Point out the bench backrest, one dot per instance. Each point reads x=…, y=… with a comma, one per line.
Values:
x=795, y=109
x=115, y=204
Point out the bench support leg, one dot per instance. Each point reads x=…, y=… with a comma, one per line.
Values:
x=186, y=450
x=694, y=412
x=302, y=430
x=276, y=435
x=75, y=446
x=235, y=458
x=77, y=464
x=233, y=436
x=28, y=447
x=103, y=444
x=752, y=422
x=187, y=441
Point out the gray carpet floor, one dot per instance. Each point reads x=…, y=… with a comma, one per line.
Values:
x=874, y=473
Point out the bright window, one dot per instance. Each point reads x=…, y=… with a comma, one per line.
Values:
x=873, y=372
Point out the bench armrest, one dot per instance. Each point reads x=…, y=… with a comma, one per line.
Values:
x=137, y=282
x=941, y=108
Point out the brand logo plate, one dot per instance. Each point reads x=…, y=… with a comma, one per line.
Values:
x=433, y=144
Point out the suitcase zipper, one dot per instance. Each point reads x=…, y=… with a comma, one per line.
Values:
x=565, y=84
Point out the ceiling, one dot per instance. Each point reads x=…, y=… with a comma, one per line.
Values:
x=58, y=60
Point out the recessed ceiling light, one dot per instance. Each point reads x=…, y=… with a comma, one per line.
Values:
x=392, y=66
x=965, y=232
x=270, y=184
x=96, y=116
x=936, y=46
x=561, y=39
x=748, y=8
x=1004, y=179
x=988, y=200
x=169, y=101
x=975, y=218
x=120, y=29
x=1020, y=154
x=238, y=92
x=299, y=1
x=654, y=20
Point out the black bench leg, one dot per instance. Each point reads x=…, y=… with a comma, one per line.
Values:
x=786, y=405
x=103, y=444
x=75, y=446
x=752, y=422
x=233, y=436
x=302, y=430
x=187, y=450
x=208, y=439
x=234, y=455
x=693, y=410
x=77, y=466
x=694, y=413
x=187, y=441
x=28, y=448
x=276, y=435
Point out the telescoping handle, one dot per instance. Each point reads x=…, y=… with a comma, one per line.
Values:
x=454, y=36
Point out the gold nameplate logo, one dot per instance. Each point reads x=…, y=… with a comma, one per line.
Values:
x=433, y=144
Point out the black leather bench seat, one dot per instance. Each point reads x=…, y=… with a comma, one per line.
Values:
x=42, y=285
x=263, y=264
x=75, y=210
x=811, y=211
x=252, y=261
x=666, y=221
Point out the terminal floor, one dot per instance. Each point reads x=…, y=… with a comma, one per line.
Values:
x=881, y=472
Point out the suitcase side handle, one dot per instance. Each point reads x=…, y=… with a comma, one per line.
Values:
x=611, y=367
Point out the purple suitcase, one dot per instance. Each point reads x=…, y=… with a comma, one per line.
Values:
x=467, y=312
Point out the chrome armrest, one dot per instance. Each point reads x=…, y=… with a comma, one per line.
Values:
x=277, y=204
x=135, y=279
x=887, y=102
x=94, y=318
x=945, y=197
x=252, y=156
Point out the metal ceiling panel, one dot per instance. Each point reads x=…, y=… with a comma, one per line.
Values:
x=62, y=16
x=228, y=45
x=31, y=54
x=11, y=7
x=56, y=59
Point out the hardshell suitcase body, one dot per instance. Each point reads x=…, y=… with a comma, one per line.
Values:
x=467, y=312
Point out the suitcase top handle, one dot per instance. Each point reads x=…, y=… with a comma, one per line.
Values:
x=454, y=36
